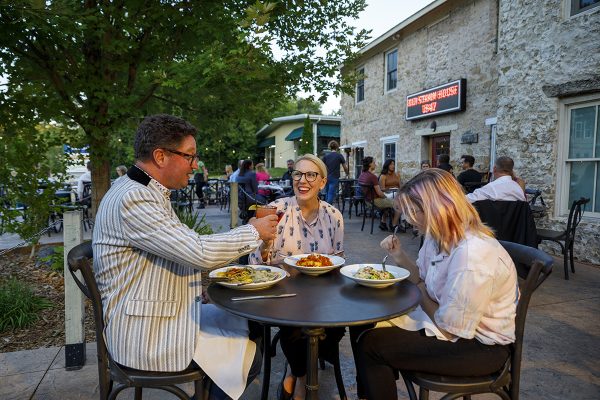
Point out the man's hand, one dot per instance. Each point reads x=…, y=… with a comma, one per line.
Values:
x=266, y=227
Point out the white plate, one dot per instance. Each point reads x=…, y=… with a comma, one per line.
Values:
x=399, y=273
x=250, y=286
x=314, y=271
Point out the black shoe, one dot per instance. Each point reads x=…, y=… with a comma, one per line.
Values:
x=383, y=226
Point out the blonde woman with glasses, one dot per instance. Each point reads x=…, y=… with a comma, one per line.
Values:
x=466, y=319
x=308, y=225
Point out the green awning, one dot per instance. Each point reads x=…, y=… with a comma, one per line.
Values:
x=270, y=141
x=332, y=131
x=295, y=134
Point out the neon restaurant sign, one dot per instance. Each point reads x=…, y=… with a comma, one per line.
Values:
x=443, y=99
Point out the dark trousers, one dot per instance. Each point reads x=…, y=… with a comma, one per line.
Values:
x=379, y=353
x=294, y=345
x=199, y=191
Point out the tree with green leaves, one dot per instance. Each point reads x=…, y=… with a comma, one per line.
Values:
x=100, y=66
x=306, y=141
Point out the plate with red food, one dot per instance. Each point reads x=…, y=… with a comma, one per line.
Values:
x=314, y=263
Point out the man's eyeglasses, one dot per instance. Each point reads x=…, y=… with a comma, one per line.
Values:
x=310, y=175
x=190, y=157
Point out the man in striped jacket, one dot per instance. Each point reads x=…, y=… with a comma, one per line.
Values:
x=147, y=265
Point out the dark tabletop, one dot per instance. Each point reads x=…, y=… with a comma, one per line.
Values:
x=322, y=301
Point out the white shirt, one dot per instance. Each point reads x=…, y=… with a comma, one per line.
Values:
x=476, y=288
x=86, y=177
x=503, y=188
x=234, y=175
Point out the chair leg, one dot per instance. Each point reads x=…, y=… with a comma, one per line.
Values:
x=364, y=218
x=138, y=393
x=571, y=257
x=412, y=395
x=337, y=370
x=264, y=394
x=566, y=263
x=372, y=219
x=423, y=393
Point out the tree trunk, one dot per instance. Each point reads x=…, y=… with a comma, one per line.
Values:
x=99, y=149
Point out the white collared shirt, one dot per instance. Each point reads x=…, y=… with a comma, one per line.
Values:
x=502, y=188
x=476, y=289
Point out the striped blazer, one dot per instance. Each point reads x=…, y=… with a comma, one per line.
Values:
x=147, y=265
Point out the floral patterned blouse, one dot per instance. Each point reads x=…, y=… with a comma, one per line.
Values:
x=295, y=235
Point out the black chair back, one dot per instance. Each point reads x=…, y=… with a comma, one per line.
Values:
x=540, y=268
x=505, y=383
x=575, y=215
x=510, y=220
x=109, y=371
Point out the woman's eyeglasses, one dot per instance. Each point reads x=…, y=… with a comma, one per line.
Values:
x=310, y=175
x=190, y=157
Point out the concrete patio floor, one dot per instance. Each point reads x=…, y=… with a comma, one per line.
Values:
x=560, y=360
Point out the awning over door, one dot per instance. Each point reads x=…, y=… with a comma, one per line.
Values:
x=295, y=134
x=270, y=141
x=332, y=131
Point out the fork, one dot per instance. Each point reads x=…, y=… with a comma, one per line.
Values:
x=383, y=263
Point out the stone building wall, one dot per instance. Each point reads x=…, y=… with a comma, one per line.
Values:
x=539, y=46
x=462, y=44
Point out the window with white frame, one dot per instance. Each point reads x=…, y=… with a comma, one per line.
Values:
x=360, y=85
x=391, y=70
x=579, y=6
x=581, y=175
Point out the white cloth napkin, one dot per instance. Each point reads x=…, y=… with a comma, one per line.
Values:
x=223, y=349
x=416, y=320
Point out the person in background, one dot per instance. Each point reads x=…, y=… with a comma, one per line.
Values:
x=505, y=186
x=147, y=265
x=86, y=177
x=466, y=319
x=469, y=174
x=425, y=164
x=248, y=191
x=444, y=163
x=367, y=177
x=262, y=176
x=228, y=172
x=287, y=175
x=234, y=175
x=308, y=225
x=389, y=178
x=121, y=170
x=201, y=180
x=333, y=160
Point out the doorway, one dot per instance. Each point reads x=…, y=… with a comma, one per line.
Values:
x=439, y=145
x=359, y=154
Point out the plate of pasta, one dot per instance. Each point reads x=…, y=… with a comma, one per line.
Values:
x=372, y=275
x=314, y=264
x=248, y=277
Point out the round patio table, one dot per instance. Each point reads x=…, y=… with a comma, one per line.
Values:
x=329, y=300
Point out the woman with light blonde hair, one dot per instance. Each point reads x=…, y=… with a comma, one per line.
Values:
x=307, y=225
x=469, y=291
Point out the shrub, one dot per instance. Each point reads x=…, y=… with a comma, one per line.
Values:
x=56, y=260
x=19, y=307
x=193, y=221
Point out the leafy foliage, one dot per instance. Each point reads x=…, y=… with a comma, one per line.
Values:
x=19, y=307
x=194, y=221
x=31, y=171
x=306, y=142
x=56, y=260
x=101, y=66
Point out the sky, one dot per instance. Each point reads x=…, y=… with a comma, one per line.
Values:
x=380, y=16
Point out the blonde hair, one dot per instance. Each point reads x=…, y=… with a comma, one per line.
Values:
x=447, y=213
x=228, y=169
x=315, y=160
x=260, y=167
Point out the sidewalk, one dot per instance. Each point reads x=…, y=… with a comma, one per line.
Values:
x=560, y=358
